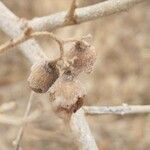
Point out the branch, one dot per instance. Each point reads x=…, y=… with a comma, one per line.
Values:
x=119, y=110
x=89, y=110
x=28, y=34
x=17, y=141
x=84, y=14
x=10, y=24
x=70, y=17
x=82, y=132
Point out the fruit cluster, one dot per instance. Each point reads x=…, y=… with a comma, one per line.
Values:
x=66, y=92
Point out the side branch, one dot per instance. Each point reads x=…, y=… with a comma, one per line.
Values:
x=18, y=139
x=12, y=26
x=119, y=110
x=28, y=34
x=70, y=17
x=83, y=14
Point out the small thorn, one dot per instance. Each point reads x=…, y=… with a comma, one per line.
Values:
x=70, y=17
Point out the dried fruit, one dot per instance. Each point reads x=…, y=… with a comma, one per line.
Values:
x=82, y=56
x=67, y=96
x=42, y=76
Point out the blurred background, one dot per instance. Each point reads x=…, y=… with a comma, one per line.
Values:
x=121, y=75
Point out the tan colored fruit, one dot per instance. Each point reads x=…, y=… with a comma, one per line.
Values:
x=67, y=96
x=82, y=56
x=42, y=76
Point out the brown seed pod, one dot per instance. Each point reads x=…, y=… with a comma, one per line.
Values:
x=82, y=56
x=42, y=76
x=67, y=96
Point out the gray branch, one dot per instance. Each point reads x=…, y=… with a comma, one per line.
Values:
x=119, y=110
x=13, y=27
x=83, y=135
x=84, y=14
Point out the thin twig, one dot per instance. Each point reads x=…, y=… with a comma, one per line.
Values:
x=13, y=26
x=18, y=139
x=28, y=33
x=119, y=110
x=70, y=17
x=89, y=110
